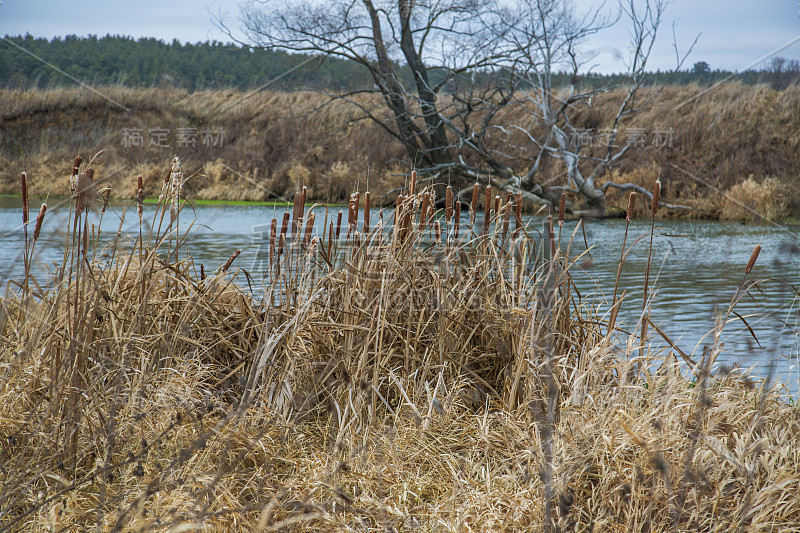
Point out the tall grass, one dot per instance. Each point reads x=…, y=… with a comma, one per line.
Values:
x=399, y=375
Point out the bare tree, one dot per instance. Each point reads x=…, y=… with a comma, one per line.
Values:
x=460, y=82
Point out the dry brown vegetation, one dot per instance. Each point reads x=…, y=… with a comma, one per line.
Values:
x=275, y=142
x=389, y=380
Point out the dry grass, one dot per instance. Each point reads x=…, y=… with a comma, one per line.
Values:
x=386, y=382
x=718, y=139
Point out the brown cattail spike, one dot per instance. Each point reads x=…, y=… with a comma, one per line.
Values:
x=273, y=231
x=423, y=214
x=366, y=211
x=25, y=206
x=438, y=227
x=39, y=219
x=656, y=197
x=338, y=225
x=309, y=227
x=230, y=260
x=106, y=193
x=753, y=259
x=487, y=206
x=448, y=204
x=285, y=223
x=631, y=206
x=139, y=184
x=295, y=212
x=562, y=209
x=551, y=235
x=73, y=180
x=506, y=218
x=497, y=205
x=457, y=224
x=474, y=205
x=412, y=186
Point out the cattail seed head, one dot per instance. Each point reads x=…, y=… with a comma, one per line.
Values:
x=25, y=206
x=448, y=204
x=202, y=272
x=338, y=225
x=656, y=197
x=273, y=230
x=106, y=193
x=562, y=208
x=412, y=186
x=366, y=211
x=83, y=185
x=473, y=207
x=753, y=258
x=423, y=214
x=631, y=206
x=295, y=212
x=457, y=225
x=330, y=239
x=139, y=198
x=39, y=220
x=506, y=218
x=438, y=227
x=285, y=223
x=73, y=180
x=518, y=213
x=309, y=227
x=230, y=260
x=487, y=207
x=551, y=235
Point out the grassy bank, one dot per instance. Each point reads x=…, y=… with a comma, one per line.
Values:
x=733, y=152
x=391, y=378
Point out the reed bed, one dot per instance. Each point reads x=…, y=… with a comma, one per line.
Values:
x=414, y=373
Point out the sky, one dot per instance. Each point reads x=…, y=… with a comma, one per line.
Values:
x=734, y=34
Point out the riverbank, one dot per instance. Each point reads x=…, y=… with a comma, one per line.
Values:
x=398, y=380
x=731, y=154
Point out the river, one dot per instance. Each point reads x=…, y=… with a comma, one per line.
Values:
x=697, y=266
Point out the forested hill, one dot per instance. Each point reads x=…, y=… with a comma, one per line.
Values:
x=148, y=62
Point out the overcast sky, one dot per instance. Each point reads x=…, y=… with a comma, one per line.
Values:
x=734, y=33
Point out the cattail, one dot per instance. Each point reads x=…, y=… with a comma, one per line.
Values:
x=423, y=214
x=656, y=196
x=281, y=246
x=356, y=201
x=487, y=206
x=25, y=206
x=631, y=206
x=562, y=208
x=176, y=182
x=506, y=218
x=39, y=219
x=230, y=260
x=338, y=225
x=330, y=239
x=84, y=183
x=303, y=196
x=273, y=230
x=295, y=212
x=412, y=186
x=458, y=218
x=139, y=197
x=309, y=227
x=497, y=205
x=448, y=204
x=106, y=193
x=202, y=272
x=366, y=211
x=438, y=227
x=474, y=205
x=73, y=183
x=552, y=236
x=351, y=214
x=285, y=223
x=753, y=259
